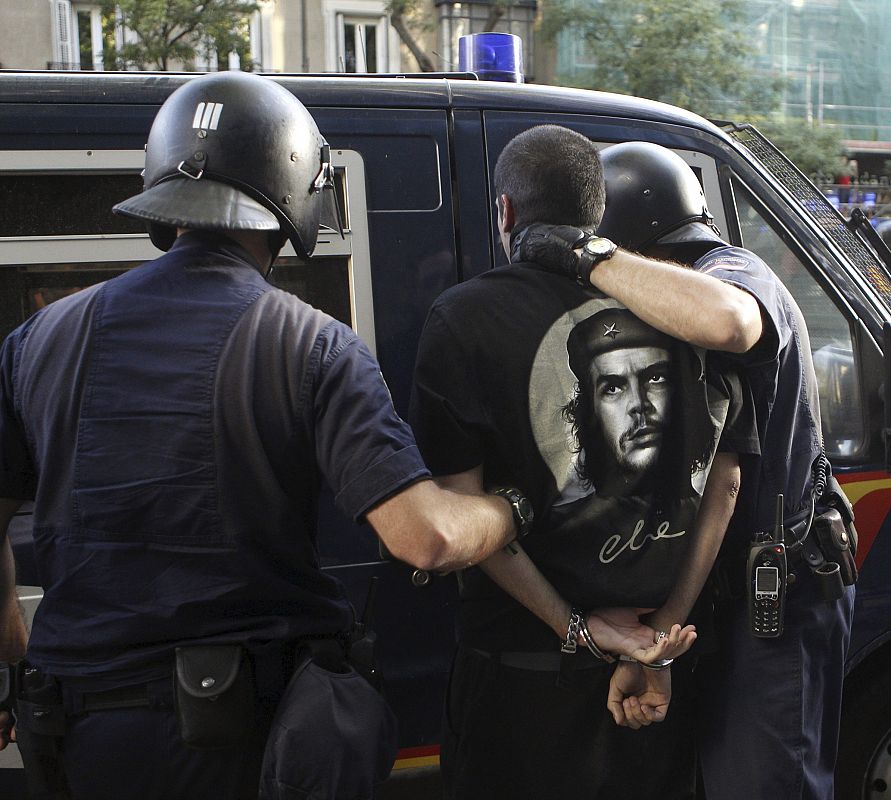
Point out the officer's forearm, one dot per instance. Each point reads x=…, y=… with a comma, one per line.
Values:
x=441, y=530
x=683, y=303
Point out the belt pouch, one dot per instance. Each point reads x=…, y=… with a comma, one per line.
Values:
x=40, y=724
x=835, y=542
x=214, y=695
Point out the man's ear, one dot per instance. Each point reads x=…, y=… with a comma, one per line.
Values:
x=506, y=218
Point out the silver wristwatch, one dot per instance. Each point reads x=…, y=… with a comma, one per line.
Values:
x=593, y=251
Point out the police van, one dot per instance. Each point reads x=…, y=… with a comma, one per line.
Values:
x=414, y=159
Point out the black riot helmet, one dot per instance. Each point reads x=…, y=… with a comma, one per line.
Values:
x=233, y=151
x=652, y=197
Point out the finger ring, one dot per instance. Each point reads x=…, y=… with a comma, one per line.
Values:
x=660, y=635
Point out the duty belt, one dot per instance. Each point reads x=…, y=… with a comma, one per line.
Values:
x=272, y=664
x=728, y=577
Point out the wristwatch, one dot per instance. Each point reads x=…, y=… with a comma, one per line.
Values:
x=592, y=253
x=521, y=508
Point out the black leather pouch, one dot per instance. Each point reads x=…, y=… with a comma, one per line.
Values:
x=837, y=543
x=214, y=695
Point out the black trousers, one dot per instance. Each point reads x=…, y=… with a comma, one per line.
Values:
x=137, y=754
x=513, y=733
x=771, y=726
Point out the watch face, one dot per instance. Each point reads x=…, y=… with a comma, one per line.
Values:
x=525, y=508
x=599, y=246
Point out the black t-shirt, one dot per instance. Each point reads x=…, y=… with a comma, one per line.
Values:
x=607, y=425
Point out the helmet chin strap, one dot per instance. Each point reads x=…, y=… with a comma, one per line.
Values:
x=276, y=240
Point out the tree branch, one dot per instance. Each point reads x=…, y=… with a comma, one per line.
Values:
x=398, y=22
x=496, y=12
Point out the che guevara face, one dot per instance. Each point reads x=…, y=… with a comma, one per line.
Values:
x=630, y=391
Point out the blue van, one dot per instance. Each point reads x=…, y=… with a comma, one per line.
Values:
x=414, y=159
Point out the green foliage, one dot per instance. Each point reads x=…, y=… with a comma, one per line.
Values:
x=176, y=31
x=690, y=53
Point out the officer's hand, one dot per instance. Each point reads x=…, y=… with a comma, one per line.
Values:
x=7, y=729
x=638, y=697
x=552, y=247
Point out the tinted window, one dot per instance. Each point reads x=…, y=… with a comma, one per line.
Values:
x=25, y=290
x=831, y=342
x=323, y=283
x=66, y=205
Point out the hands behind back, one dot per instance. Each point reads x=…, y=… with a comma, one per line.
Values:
x=637, y=696
x=620, y=631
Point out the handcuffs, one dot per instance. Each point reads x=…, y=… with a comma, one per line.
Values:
x=579, y=627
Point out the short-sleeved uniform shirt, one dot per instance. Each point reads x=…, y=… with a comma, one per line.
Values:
x=780, y=373
x=174, y=426
x=608, y=426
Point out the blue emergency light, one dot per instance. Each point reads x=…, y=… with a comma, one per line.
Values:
x=492, y=56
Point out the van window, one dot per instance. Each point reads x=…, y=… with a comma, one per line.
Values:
x=321, y=282
x=58, y=235
x=830, y=333
x=28, y=288
x=65, y=204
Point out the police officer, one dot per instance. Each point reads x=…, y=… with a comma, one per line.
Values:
x=174, y=426
x=769, y=721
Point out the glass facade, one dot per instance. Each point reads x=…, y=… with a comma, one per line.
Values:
x=831, y=53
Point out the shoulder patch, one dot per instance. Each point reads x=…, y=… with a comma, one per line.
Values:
x=726, y=263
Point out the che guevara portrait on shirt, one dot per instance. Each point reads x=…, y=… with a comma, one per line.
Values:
x=628, y=425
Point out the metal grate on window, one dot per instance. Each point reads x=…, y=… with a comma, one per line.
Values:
x=816, y=205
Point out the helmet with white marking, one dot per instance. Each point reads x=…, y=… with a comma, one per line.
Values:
x=233, y=151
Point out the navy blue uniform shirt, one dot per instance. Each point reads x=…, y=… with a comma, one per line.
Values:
x=174, y=426
x=780, y=373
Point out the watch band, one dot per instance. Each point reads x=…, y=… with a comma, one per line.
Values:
x=520, y=507
x=589, y=257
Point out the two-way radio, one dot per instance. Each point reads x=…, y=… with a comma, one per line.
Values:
x=767, y=575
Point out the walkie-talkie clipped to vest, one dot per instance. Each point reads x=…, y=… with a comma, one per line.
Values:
x=767, y=575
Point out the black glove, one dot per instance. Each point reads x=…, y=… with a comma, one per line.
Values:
x=553, y=248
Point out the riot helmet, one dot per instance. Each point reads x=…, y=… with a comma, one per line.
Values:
x=652, y=197
x=233, y=151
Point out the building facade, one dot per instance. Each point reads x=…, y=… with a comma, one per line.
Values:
x=288, y=36
x=285, y=36
x=830, y=54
